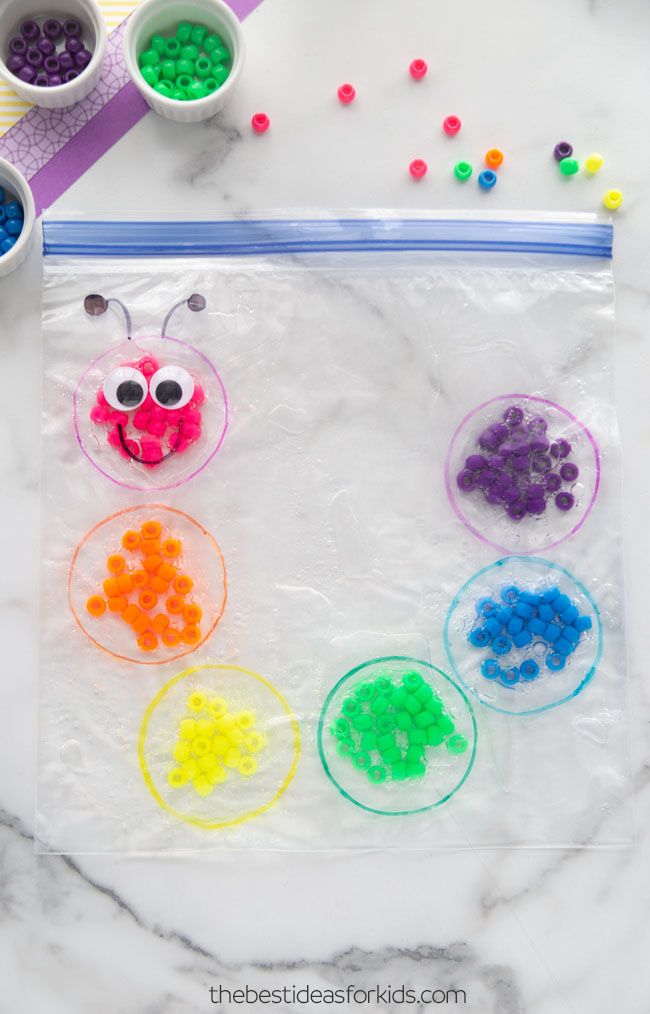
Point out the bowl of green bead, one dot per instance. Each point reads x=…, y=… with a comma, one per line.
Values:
x=184, y=56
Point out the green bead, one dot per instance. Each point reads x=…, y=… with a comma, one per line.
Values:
x=398, y=697
x=384, y=684
x=362, y=722
x=151, y=75
x=149, y=58
x=386, y=741
x=198, y=34
x=457, y=744
x=341, y=727
x=434, y=705
x=197, y=90
x=380, y=705
x=361, y=760
x=183, y=32
x=220, y=72
x=414, y=754
x=398, y=771
x=377, y=774
x=172, y=48
x=462, y=171
x=164, y=87
x=350, y=706
x=404, y=721
x=183, y=82
x=219, y=55
x=392, y=755
x=569, y=166
x=369, y=741
x=385, y=723
x=211, y=42
x=211, y=84
x=344, y=747
x=412, y=680
x=415, y=770
x=423, y=719
x=168, y=70
x=179, y=95
x=417, y=737
x=190, y=53
x=423, y=694
x=185, y=67
x=435, y=735
x=364, y=691
x=158, y=43
x=412, y=705
x=445, y=724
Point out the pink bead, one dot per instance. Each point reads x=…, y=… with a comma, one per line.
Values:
x=418, y=168
x=147, y=365
x=192, y=415
x=100, y=397
x=346, y=94
x=114, y=441
x=150, y=449
x=157, y=427
x=191, y=431
x=260, y=123
x=157, y=413
x=198, y=397
x=141, y=419
x=451, y=125
x=418, y=69
x=99, y=413
x=118, y=417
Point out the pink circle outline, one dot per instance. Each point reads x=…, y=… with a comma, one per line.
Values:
x=171, y=485
x=452, y=499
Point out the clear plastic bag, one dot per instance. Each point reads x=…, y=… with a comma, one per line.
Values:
x=340, y=551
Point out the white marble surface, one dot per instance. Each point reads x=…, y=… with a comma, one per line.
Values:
x=541, y=932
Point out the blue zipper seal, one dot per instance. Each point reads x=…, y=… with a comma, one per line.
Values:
x=262, y=237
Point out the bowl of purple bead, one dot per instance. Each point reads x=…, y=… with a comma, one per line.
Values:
x=522, y=473
x=52, y=58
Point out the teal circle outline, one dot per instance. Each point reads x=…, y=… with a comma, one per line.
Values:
x=321, y=721
x=551, y=566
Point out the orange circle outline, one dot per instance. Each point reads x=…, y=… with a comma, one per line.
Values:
x=130, y=510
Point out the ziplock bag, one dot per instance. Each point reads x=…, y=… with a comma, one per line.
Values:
x=331, y=536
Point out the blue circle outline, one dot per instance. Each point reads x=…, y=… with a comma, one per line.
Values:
x=550, y=565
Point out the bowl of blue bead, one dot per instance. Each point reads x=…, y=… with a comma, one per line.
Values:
x=52, y=57
x=17, y=218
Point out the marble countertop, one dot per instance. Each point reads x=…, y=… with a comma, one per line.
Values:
x=534, y=931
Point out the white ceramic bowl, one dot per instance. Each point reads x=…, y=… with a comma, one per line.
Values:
x=16, y=186
x=88, y=12
x=162, y=16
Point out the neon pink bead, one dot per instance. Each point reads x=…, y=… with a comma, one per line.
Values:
x=346, y=94
x=260, y=123
x=157, y=427
x=192, y=415
x=141, y=419
x=114, y=441
x=118, y=417
x=150, y=449
x=198, y=397
x=451, y=125
x=99, y=413
x=100, y=397
x=418, y=69
x=418, y=168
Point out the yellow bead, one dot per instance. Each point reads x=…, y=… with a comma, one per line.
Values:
x=200, y=746
x=593, y=163
x=190, y=769
x=207, y=762
x=613, y=199
x=217, y=706
x=181, y=751
x=254, y=741
x=247, y=766
x=187, y=728
x=216, y=775
x=202, y=785
x=220, y=745
x=176, y=778
x=205, y=727
x=245, y=720
x=236, y=736
x=232, y=758
x=196, y=701
x=225, y=723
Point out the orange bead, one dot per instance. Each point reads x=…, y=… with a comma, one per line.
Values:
x=166, y=572
x=140, y=578
x=131, y=540
x=159, y=623
x=125, y=583
x=111, y=587
x=158, y=584
x=147, y=599
x=170, y=637
x=115, y=563
x=192, y=613
x=174, y=604
x=493, y=158
x=96, y=605
x=131, y=613
x=151, y=563
x=191, y=634
x=150, y=547
x=117, y=604
x=151, y=530
x=183, y=584
x=172, y=548
x=148, y=641
x=141, y=623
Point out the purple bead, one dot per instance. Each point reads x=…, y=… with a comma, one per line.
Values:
x=30, y=31
x=516, y=510
x=82, y=59
x=26, y=74
x=513, y=415
x=552, y=481
x=18, y=45
x=73, y=45
x=15, y=62
x=564, y=501
x=46, y=46
x=41, y=80
x=493, y=496
x=66, y=60
x=491, y=437
x=55, y=80
x=520, y=463
x=510, y=494
x=538, y=424
x=53, y=29
x=562, y=150
x=475, y=462
x=561, y=448
x=71, y=28
x=51, y=64
x=534, y=491
x=35, y=57
x=536, y=505
x=502, y=480
x=496, y=460
x=569, y=472
x=540, y=442
x=70, y=75
x=541, y=462
x=466, y=481
x=486, y=478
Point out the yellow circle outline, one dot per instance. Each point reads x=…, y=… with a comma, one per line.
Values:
x=195, y=821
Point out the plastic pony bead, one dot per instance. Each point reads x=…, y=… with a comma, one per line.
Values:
x=346, y=94
x=451, y=125
x=593, y=163
x=569, y=166
x=462, y=171
x=613, y=199
x=260, y=123
x=418, y=69
x=562, y=150
x=487, y=179
x=418, y=168
x=493, y=158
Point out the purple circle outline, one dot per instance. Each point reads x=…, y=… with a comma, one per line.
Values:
x=171, y=485
x=452, y=499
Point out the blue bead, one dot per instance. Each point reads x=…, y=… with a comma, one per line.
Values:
x=486, y=607
x=515, y=626
x=479, y=637
x=490, y=668
x=3, y=214
x=14, y=210
x=545, y=612
x=536, y=626
x=7, y=244
x=561, y=603
x=510, y=594
x=509, y=676
x=504, y=616
x=524, y=610
x=555, y=661
x=501, y=645
x=522, y=639
x=529, y=669
x=552, y=632
x=583, y=623
x=550, y=594
x=570, y=633
x=493, y=626
x=569, y=615
x=529, y=598
x=3, y=233
x=14, y=226
x=487, y=179
x=563, y=646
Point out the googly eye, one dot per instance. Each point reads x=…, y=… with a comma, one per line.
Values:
x=125, y=388
x=171, y=387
